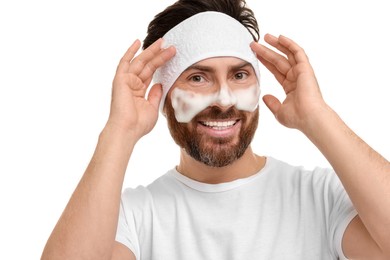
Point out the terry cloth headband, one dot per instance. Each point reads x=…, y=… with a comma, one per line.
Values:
x=202, y=36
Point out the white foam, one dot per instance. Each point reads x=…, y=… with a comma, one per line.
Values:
x=187, y=104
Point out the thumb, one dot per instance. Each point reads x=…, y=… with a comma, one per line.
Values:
x=154, y=96
x=272, y=103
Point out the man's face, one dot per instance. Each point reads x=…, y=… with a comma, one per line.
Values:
x=213, y=101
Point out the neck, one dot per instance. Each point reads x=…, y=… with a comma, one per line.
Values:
x=247, y=165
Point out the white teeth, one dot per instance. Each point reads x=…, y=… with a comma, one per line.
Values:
x=218, y=124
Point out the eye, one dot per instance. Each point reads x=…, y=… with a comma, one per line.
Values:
x=240, y=75
x=197, y=79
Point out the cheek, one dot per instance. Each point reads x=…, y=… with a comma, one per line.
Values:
x=188, y=104
x=248, y=99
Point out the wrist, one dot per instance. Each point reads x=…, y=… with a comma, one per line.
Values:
x=115, y=133
x=327, y=131
x=318, y=121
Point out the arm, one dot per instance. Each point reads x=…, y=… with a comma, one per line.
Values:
x=364, y=173
x=87, y=227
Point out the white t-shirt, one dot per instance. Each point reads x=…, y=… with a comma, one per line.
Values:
x=282, y=212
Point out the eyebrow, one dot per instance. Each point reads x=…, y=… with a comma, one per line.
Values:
x=212, y=69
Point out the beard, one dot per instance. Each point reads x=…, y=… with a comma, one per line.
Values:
x=213, y=151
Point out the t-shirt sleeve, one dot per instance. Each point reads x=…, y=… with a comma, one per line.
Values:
x=130, y=211
x=125, y=231
x=341, y=213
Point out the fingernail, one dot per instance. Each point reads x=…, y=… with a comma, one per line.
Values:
x=164, y=44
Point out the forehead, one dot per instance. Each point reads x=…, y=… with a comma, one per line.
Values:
x=218, y=62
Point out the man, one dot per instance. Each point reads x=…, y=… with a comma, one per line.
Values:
x=223, y=201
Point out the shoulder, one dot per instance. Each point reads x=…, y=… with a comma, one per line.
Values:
x=299, y=174
x=282, y=167
x=143, y=195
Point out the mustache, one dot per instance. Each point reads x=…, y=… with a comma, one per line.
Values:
x=217, y=113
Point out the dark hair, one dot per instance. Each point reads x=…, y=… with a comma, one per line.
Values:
x=184, y=9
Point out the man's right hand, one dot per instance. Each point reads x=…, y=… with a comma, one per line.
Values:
x=130, y=111
x=80, y=232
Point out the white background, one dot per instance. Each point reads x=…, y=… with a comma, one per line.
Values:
x=57, y=62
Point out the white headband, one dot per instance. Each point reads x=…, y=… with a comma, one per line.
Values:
x=202, y=36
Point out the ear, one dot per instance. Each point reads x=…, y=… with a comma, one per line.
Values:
x=164, y=113
x=165, y=107
x=166, y=102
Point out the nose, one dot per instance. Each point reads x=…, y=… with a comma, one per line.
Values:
x=225, y=97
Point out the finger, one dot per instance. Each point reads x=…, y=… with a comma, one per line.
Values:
x=124, y=63
x=279, y=61
x=272, y=103
x=274, y=41
x=146, y=74
x=298, y=52
x=154, y=96
x=139, y=62
x=163, y=57
x=136, y=85
x=271, y=67
x=283, y=80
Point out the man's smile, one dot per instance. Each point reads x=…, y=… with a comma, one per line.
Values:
x=220, y=129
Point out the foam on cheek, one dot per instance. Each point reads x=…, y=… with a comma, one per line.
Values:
x=248, y=99
x=188, y=104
